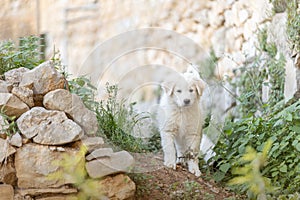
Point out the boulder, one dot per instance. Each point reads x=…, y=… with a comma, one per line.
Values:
x=34, y=163
x=6, y=192
x=13, y=106
x=92, y=143
x=98, y=153
x=5, y=87
x=5, y=149
x=14, y=76
x=48, y=127
x=118, y=187
x=44, y=78
x=115, y=163
x=71, y=104
x=25, y=94
x=59, y=197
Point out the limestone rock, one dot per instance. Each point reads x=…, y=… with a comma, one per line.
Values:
x=71, y=104
x=59, y=197
x=48, y=127
x=8, y=172
x=41, y=191
x=25, y=94
x=118, y=162
x=34, y=163
x=5, y=149
x=13, y=106
x=92, y=143
x=44, y=79
x=98, y=153
x=6, y=192
x=16, y=140
x=14, y=76
x=219, y=42
x=118, y=187
x=5, y=87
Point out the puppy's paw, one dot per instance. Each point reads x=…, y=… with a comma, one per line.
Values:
x=170, y=164
x=194, y=169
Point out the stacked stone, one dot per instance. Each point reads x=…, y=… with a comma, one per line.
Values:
x=52, y=122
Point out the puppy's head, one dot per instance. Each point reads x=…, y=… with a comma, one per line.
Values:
x=184, y=92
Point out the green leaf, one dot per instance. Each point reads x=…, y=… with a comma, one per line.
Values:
x=289, y=117
x=283, y=168
x=298, y=147
x=225, y=167
x=295, y=129
x=219, y=176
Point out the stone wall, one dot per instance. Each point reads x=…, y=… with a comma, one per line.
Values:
x=78, y=27
x=53, y=125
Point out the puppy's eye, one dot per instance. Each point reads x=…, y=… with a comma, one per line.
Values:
x=191, y=90
x=179, y=91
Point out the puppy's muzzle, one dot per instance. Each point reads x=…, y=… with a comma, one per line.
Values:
x=186, y=101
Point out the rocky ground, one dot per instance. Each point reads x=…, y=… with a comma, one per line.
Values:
x=164, y=183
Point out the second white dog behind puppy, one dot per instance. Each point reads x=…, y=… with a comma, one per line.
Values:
x=180, y=121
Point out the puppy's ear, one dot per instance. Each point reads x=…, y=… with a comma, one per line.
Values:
x=168, y=87
x=200, y=85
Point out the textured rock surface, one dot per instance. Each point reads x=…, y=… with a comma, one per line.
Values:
x=6, y=192
x=118, y=187
x=48, y=127
x=8, y=173
x=14, y=76
x=38, y=191
x=25, y=94
x=118, y=162
x=43, y=78
x=16, y=140
x=5, y=87
x=5, y=149
x=98, y=153
x=13, y=106
x=34, y=163
x=92, y=143
x=72, y=104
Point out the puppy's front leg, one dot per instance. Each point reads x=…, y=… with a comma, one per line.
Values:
x=167, y=141
x=193, y=162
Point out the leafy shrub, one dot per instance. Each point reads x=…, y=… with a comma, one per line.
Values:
x=27, y=54
x=250, y=173
x=260, y=121
x=117, y=122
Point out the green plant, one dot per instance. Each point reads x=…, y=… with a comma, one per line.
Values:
x=27, y=54
x=283, y=127
x=265, y=70
x=250, y=173
x=9, y=126
x=72, y=170
x=85, y=90
x=187, y=190
x=117, y=122
x=293, y=23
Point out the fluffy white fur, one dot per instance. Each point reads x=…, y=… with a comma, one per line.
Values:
x=180, y=120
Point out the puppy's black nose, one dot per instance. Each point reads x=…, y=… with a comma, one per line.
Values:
x=186, y=101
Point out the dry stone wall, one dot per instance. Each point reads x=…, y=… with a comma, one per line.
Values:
x=54, y=123
x=229, y=27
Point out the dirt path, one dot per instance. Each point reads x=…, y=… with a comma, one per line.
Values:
x=163, y=184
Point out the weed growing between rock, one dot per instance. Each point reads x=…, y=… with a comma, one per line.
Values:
x=26, y=54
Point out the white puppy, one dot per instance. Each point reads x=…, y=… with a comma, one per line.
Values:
x=180, y=121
